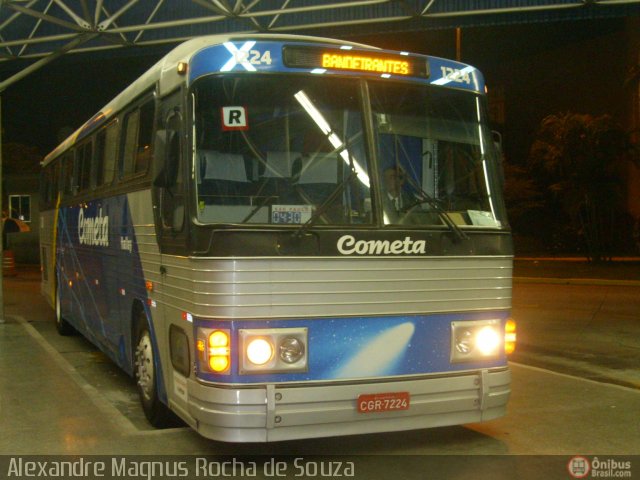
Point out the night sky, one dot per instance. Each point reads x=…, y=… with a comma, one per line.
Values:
x=543, y=69
x=63, y=95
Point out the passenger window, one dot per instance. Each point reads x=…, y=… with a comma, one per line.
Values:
x=138, y=128
x=131, y=122
x=106, y=144
x=145, y=136
x=110, y=152
x=67, y=175
x=83, y=157
x=100, y=144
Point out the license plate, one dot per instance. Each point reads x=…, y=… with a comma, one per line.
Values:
x=291, y=214
x=383, y=402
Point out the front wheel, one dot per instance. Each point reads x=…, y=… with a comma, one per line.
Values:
x=146, y=376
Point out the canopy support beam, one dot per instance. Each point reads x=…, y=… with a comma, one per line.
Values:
x=79, y=40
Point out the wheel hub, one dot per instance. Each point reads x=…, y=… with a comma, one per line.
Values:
x=144, y=366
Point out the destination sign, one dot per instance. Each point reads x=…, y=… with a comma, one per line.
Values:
x=341, y=61
x=355, y=61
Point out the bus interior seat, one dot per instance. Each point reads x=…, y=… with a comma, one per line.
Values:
x=318, y=177
x=276, y=174
x=224, y=178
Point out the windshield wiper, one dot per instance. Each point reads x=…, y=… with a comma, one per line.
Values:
x=433, y=203
x=324, y=205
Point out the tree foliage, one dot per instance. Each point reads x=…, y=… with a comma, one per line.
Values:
x=579, y=161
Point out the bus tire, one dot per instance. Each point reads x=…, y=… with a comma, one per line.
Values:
x=62, y=326
x=146, y=376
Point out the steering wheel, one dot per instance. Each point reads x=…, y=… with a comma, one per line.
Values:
x=406, y=213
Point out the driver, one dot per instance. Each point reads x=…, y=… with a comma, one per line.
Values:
x=395, y=198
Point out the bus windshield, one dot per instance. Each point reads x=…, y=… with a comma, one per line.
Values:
x=435, y=157
x=275, y=149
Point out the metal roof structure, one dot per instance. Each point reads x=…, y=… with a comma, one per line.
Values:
x=37, y=32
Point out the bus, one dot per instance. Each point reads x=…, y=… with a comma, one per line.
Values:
x=285, y=237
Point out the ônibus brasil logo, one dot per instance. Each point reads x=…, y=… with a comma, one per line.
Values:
x=579, y=467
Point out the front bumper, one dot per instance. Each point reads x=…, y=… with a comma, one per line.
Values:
x=282, y=412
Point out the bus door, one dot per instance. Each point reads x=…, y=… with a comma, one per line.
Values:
x=169, y=184
x=169, y=197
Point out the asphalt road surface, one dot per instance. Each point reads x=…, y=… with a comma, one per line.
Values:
x=588, y=330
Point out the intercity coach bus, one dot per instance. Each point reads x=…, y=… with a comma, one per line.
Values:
x=286, y=237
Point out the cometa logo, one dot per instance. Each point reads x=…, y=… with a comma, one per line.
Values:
x=93, y=230
x=348, y=245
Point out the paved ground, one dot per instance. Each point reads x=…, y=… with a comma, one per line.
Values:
x=621, y=269
x=587, y=296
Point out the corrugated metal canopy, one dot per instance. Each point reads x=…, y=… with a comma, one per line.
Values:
x=42, y=30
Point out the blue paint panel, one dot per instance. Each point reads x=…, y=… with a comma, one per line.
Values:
x=224, y=58
x=363, y=347
x=219, y=58
x=453, y=74
x=100, y=273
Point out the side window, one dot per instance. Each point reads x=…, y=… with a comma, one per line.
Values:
x=99, y=156
x=110, y=152
x=131, y=122
x=83, y=159
x=138, y=132
x=75, y=172
x=67, y=174
x=145, y=138
x=105, y=152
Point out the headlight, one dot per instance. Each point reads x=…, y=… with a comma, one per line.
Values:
x=274, y=350
x=464, y=342
x=259, y=351
x=475, y=340
x=487, y=341
x=291, y=350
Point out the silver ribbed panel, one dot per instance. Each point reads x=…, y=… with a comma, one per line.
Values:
x=141, y=209
x=330, y=286
x=248, y=415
